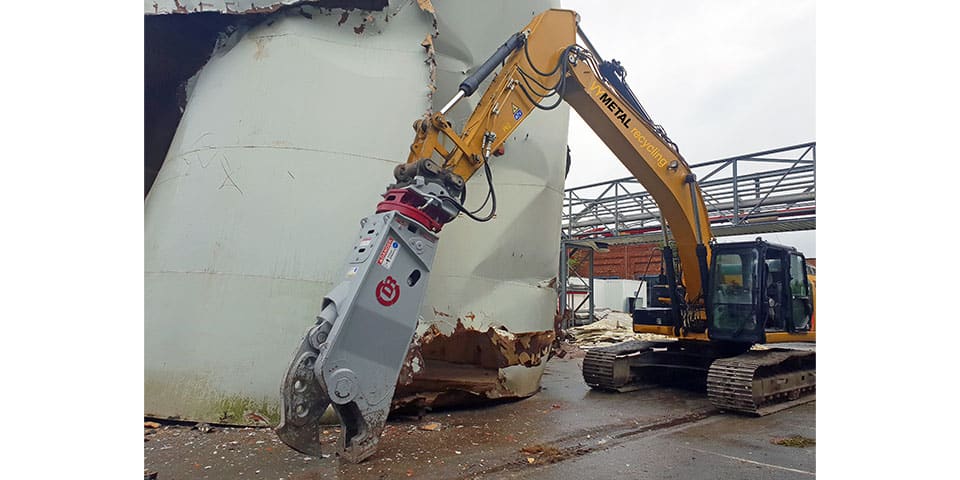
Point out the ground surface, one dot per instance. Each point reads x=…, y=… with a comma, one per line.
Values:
x=565, y=431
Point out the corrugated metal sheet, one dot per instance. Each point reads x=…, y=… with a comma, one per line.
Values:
x=621, y=261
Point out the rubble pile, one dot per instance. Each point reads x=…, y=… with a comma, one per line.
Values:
x=610, y=328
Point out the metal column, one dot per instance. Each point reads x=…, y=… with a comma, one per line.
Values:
x=590, y=288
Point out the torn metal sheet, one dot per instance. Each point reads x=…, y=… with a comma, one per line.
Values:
x=431, y=52
x=255, y=207
x=246, y=7
x=465, y=365
x=288, y=136
x=426, y=6
x=492, y=348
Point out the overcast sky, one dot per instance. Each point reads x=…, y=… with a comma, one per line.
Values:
x=723, y=78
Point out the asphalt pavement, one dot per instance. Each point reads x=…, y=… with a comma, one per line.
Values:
x=564, y=431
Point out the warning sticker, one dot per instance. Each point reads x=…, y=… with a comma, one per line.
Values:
x=389, y=253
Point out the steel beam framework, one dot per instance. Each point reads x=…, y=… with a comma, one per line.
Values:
x=746, y=189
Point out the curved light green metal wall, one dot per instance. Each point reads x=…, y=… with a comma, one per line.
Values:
x=288, y=138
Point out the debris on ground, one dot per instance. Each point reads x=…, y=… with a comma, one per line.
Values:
x=565, y=349
x=430, y=427
x=598, y=313
x=148, y=475
x=611, y=329
x=203, y=427
x=151, y=425
x=557, y=426
x=541, y=454
x=256, y=418
x=798, y=441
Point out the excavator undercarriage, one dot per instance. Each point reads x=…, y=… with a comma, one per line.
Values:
x=755, y=382
x=761, y=382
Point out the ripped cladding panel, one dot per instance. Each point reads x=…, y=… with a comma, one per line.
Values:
x=255, y=207
x=180, y=36
x=466, y=366
x=288, y=137
x=493, y=348
x=246, y=7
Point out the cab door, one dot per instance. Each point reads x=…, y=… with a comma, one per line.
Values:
x=733, y=305
x=801, y=303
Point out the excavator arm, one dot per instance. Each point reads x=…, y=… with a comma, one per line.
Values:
x=652, y=158
x=542, y=64
x=352, y=356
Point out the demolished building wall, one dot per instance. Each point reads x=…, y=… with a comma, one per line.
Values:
x=288, y=136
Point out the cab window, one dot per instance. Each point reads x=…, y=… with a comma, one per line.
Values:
x=734, y=277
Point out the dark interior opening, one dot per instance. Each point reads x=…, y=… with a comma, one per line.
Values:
x=175, y=47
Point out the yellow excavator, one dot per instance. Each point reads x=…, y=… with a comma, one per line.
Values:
x=719, y=300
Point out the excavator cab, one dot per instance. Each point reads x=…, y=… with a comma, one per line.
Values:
x=756, y=288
